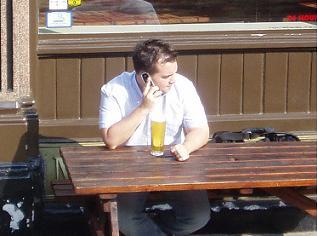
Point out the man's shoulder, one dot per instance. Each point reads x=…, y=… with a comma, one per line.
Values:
x=118, y=83
x=122, y=79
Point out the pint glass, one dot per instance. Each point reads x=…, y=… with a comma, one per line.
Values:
x=157, y=137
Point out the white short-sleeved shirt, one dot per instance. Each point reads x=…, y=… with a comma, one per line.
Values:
x=183, y=108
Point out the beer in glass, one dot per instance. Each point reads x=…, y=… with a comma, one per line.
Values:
x=157, y=136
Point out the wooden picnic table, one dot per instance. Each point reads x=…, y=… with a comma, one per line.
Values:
x=279, y=168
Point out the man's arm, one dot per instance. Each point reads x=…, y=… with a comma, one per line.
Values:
x=121, y=131
x=195, y=138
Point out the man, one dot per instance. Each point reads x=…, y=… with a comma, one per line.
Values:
x=126, y=102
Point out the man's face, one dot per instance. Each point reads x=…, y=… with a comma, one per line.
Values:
x=164, y=77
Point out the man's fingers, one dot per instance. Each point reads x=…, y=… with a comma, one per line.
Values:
x=180, y=152
x=147, y=88
x=157, y=93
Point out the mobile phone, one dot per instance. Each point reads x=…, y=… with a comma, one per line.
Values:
x=145, y=76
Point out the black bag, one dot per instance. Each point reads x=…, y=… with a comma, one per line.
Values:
x=256, y=134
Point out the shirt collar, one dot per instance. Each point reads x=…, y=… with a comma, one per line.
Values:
x=136, y=85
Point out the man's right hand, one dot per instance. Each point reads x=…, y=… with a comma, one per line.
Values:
x=150, y=96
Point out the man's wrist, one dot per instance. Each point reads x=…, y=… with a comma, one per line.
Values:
x=144, y=110
x=188, y=148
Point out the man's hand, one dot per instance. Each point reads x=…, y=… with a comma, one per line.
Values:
x=150, y=94
x=195, y=138
x=180, y=152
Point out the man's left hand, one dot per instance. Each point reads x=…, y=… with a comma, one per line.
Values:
x=180, y=152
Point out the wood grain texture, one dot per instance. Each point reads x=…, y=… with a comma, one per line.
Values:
x=187, y=66
x=68, y=88
x=253, y=72
x=299, y=66
x=216, y=166
x=231, y=84
x=92, y=78
x=129, y=64
x=208, y=83
x=275, y=87
x=114, y=67
x=46, y=89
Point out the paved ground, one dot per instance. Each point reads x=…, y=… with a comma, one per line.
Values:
x=227, y=219
x=285, y=234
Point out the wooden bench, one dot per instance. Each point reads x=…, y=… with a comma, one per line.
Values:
x=64, y=191
x=106, y=207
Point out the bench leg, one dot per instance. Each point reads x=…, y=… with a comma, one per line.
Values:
x=294, y=198
x=111, y=208
x=108, y=204
x=97, y=227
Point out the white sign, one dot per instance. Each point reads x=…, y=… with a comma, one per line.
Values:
x=57, y=4
x=57, y=19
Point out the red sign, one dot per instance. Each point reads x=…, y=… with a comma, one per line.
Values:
x=304, y=17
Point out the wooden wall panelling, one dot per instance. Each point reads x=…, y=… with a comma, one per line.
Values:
x=234, y=87
x=114, y=67
x=46, y=89
x=231, y=84
x=68, y=88
x=313, y=83
x=275, y=82
x=187, y=66
x=298, y=84
x=92, y=78
x=129, y=65
x=208, y=83
x=253, y=68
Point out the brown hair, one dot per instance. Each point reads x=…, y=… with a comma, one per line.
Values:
x=148, y=53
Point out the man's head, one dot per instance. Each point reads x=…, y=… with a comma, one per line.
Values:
x=157, y=58
x=150, y=52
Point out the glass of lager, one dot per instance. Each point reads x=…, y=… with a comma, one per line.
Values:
x=158, y=125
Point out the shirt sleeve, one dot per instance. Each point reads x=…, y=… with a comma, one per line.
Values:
x=109, y=110
x=194, y=112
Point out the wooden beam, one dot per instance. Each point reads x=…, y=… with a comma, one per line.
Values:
x=296, y=199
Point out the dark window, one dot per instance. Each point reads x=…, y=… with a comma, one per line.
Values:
x=138, y=12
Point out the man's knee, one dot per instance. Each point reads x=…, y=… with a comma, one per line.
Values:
x=197, y=213
x=195, y=221
x=129, y=224
x=200, y=218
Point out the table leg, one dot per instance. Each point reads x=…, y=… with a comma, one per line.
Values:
x=294, y=198
x=109, y=205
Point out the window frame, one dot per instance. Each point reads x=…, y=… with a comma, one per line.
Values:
x=250, y=36
x=224, y=40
